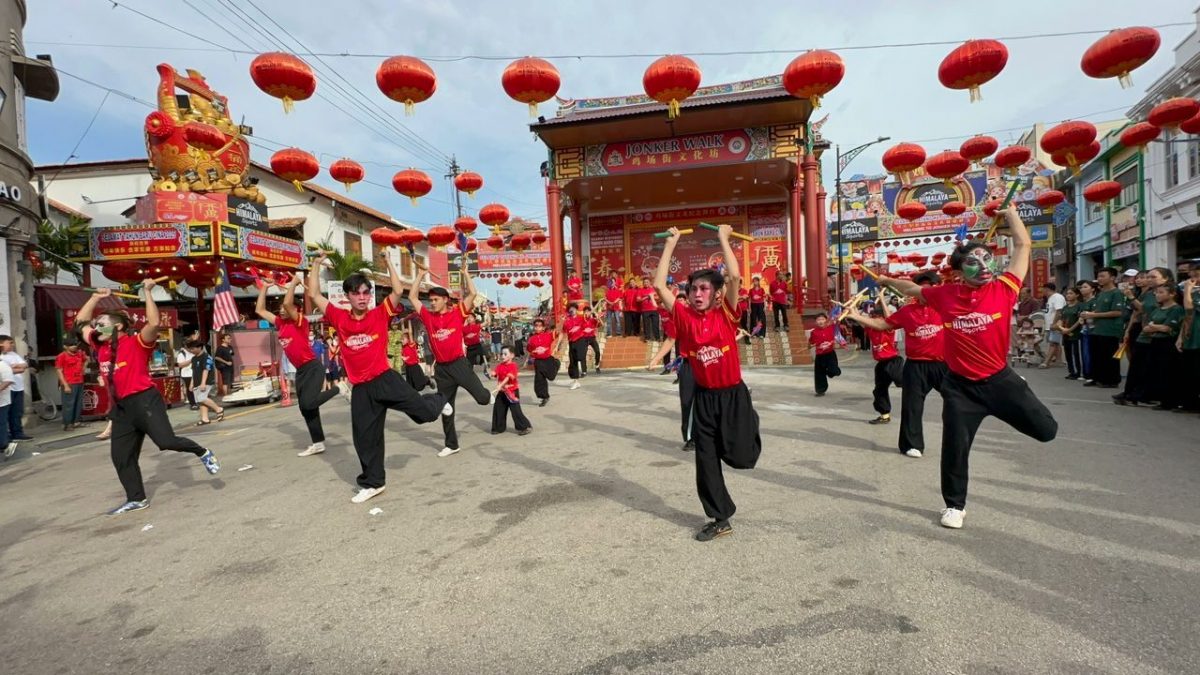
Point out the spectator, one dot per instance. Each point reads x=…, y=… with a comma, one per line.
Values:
x=496, y=336
x=16, y=411
x=758, y=307
x=183, y=360
x=203, y=370
x=7, y=444
x=1054, y=339
x=224, y=364
x=1068, y=327
x=779, y=300
x=648, y=302
x=1161, y=330
x=1139, y=380
x=743, y=310
x=614, y=303
x=1189, y=343
x=631, y=302
x=70, y=364
x=1088, y=290
x=1105, y=331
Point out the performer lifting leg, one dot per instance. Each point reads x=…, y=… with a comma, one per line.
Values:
x=508, y=395
x=977, y=311
x=377, y=387
x=138, y=409
x=825, y=361
x=312, y=390
x=724, y=423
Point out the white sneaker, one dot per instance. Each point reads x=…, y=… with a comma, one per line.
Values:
x=11, y=449
x=344, y=390
x=492, y=399
x=446, y=452
x=574, y=384
x=447, y=410
x=913, y=452
x=314, y=449
x=952, y=518
x=366, y=493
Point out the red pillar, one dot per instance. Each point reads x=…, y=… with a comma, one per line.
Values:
x=576, y=241
x=821, y=225
x=555, y=228
x=814, y=239
x=799, y=269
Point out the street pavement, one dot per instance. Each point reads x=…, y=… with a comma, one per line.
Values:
x=570, y=550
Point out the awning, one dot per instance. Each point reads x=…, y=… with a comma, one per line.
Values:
x=51, y=297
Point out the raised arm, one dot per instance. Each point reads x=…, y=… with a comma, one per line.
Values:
x=397, y=293
x=904, y=286
x=731, y=264
x=468, y=285
x=664, y=269
x=149, y=332
x=313, y=282
x=884, y=305
x=414, y=293
x=260, y=305
x=866, y=321
x=289, y=299
x=1018, y=257
x=88, y=311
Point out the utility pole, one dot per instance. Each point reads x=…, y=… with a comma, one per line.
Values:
x=455, y=169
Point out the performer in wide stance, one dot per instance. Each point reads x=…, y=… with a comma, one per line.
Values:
x=137, y=409
x=889, y=365
x=444, y=325
x=724, y=423
x=377, y=387
x=977, y=315
x=543, y=345
x=312, y=390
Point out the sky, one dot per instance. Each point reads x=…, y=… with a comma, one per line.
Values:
x=890, y=91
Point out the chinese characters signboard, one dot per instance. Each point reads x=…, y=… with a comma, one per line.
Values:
x=691, y=150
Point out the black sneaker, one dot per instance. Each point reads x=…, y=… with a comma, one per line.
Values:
x=882, y=419
x=1091, y=383
x=542, y=402
x=1071, y=377
x=665, y=371
x=525, y=432
x=820, y=393
x=717, y=528
x=690, y=446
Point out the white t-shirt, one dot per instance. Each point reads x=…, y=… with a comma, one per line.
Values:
x=183, y=359
x=14, y=359
x=1054, y=304
x=6, y=375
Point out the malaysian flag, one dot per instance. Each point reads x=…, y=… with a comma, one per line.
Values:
x=225, y=310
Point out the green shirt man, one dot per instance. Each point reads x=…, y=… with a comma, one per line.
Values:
x=1111, y=300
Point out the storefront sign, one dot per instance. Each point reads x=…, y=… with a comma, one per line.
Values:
x=269, y=248
x=246, y=213
x=706, y=149
x=120, y=243
x=229, y=241
x=606, y=242
x=180, y=207
x=1041, y=271
x=1126, y=250
x=863, y=229
x=1042, y=236
x=200, y=239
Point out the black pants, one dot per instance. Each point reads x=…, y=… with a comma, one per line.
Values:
x=1189, y=371
x=449, y=377
x=1137, y=378
x=651, y=330
x=309, y=378
x=725, y=428
x=687, y=394
x=887, y=373
x=369, y=403
x=825, y=366
x=1164, y=368
x=1073, y=350
x=633, y=322
x=1105, y=369
x=501, y=409
x=544, y=372
x=577, y=358
x=758, y=315
x=134, y=418
x=779, y=313
x=415, y=376
x=477, y=355
x=594, y=345
x=917, y=380
x=965, y=404
x=186, y=383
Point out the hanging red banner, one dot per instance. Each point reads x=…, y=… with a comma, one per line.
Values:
x=706, y=149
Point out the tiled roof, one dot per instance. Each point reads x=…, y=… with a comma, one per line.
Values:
x=63, y=208
x=578, y=110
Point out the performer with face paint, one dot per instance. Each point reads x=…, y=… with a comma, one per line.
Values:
x=977, y=321
x=724, y=423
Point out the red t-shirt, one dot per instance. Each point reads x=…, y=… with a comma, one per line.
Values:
x=613, y=297
x=709, y=341
x=293, y=337
x=779, y=292
x=573, y=327
x=883, y=344
x=132, y=374
x=646, y=299
x=471, y=334
x=574, y=289
x=504, y=370
x=445, y=332
x=363, y=342
x=923, y=339
x=758, y=296
x=631, y=299
x=408, y=352
x=540, y=345
x=71, y=365
x=977, y=322
x=589, y=327
x=822, y=339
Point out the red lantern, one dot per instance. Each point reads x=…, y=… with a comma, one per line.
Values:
x=1050, y=198
x=522, y=283
x=407, y=80
x=504, y=281
x=204, y=136
x=978, y=148
x=1011, y=158
x=1102, y=192
x=472, y=245
x=493, y=215
x=954, y=208
x=946, y=165
x=938, y=258
x=902, y=159
x=295, y=165
x=347, y=172
x=468, y=182
x=856, y=273
x=384, y=237
x=1119, y=52
x=813, y=74
x=531, y=81
x=910, y=210
x=537, y=282
x=990, y=208
x=538, y=237
x=409, y=238
x=283, y=76
x=466, y=224
x=918, y=259
x=123, y=271
x=1191, y=126
x=1173, y=112
x=671, y=80
x=1066, y=138
x=412, y=184
x=1079, y=157
x=1139, y=135
x=972, y=64
x=495, y=242
x=519, y=242
x=892, y=257
x=440, y=236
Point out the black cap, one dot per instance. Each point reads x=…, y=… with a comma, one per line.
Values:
x=930, y=278
x=439, y=291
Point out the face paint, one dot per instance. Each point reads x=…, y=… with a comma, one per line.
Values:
x=978, y=267
x=106, y=331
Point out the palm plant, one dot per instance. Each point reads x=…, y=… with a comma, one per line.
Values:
x=54, y=241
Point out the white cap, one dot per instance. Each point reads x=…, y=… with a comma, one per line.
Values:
x=1131, y=272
